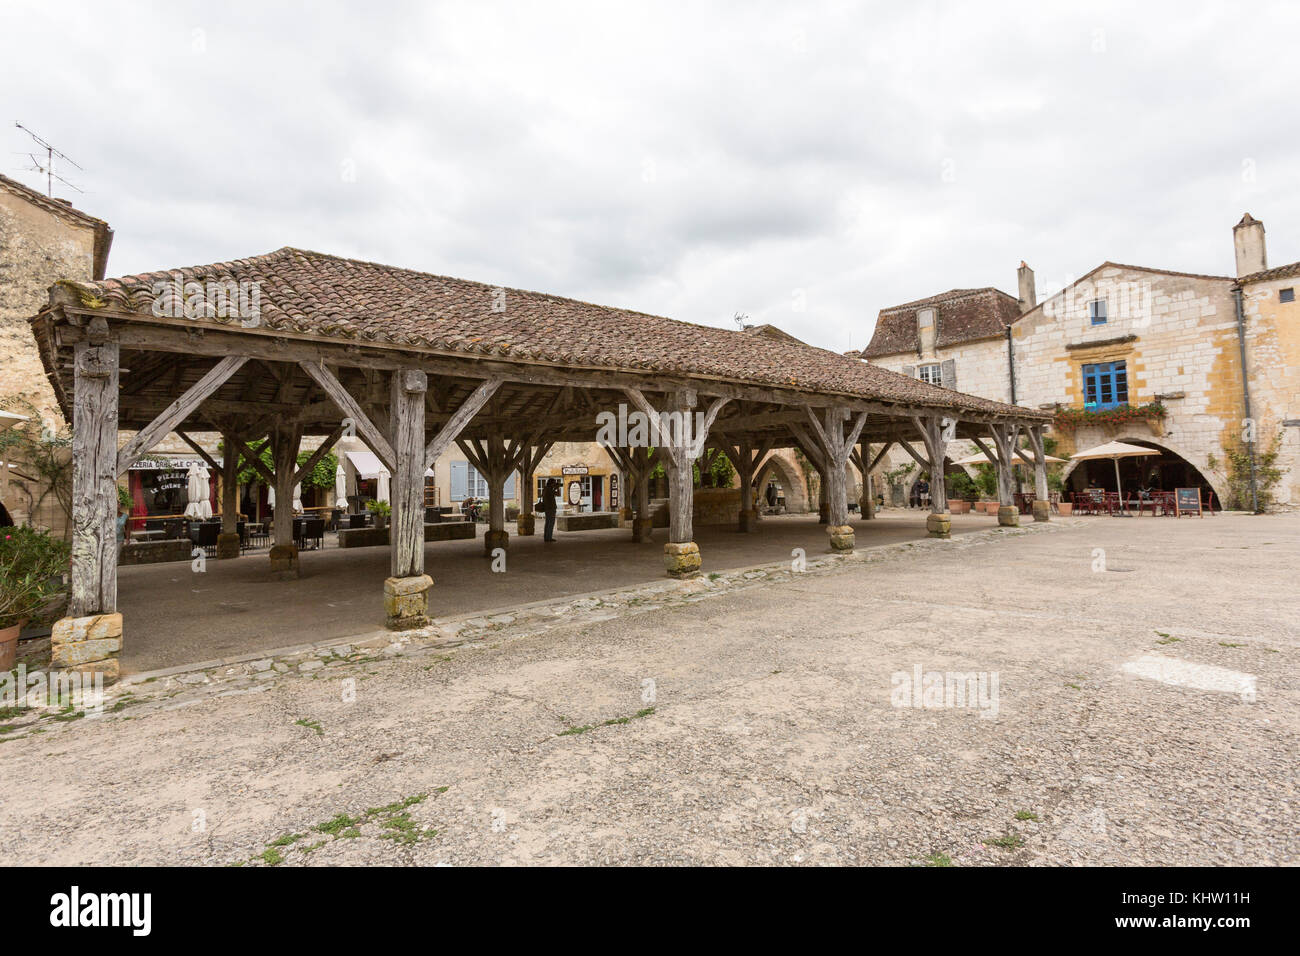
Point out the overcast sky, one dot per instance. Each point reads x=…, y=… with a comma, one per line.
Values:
x=806, y=164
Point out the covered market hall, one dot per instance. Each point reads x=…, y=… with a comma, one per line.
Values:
x=295, y=343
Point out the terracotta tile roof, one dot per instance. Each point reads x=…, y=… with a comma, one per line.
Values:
x=1278, y=272
x=318, y=294
x=961, y=315
x=64, y=210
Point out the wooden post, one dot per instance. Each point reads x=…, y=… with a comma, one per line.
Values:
x=406, y=591
x=1005, y=439
x=285, y=440
x=679, y=448
x=1042, y=497
x=89, y=639
x=500, y=462
x=94, y=480
x=835, y=447
x=933, y=434
x=867, y=503
x=228, y=540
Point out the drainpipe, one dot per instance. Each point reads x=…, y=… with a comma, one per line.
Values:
x=1245, y=394
x=1011, y=366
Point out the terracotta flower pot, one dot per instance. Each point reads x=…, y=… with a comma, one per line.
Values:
x=9, y=646
x=1065, y=507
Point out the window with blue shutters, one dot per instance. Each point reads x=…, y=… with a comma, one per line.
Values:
x=1105, y=385
x=1097, y=311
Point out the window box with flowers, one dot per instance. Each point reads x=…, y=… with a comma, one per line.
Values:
x=1111, y=419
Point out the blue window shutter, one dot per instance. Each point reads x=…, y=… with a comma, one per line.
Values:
x=459, y=480
x=510, y=487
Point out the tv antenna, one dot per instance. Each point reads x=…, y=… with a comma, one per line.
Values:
x=46, y=169
x=740, y=318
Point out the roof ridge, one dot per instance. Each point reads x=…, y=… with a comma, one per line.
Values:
x=49, y=202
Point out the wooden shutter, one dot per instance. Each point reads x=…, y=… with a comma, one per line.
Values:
x=948, y=373
x=459, y=480
x=909, y=371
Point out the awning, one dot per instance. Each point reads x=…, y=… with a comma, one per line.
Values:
x=368, y=465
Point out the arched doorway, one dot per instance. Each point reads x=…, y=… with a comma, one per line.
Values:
x=788, y=478
x=1164, y=472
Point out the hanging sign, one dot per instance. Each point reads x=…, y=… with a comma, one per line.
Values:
x=575, y=470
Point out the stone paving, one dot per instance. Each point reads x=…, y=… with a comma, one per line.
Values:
x=1145, y=712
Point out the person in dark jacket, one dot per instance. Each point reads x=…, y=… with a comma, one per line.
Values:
x=550, y=494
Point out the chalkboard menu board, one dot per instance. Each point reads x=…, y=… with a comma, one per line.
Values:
x=1187, y=501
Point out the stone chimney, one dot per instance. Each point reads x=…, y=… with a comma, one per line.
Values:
x=1248, y=238
x=1028, y=297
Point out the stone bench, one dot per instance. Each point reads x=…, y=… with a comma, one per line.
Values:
x=587, y=521
x=156, y=552
x=377, y=537
x=450, y=531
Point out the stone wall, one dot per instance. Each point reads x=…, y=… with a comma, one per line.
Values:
x=1177, y=335
x=38, y=247
x=1273, y=356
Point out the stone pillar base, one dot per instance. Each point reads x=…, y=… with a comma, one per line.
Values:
x=1042, y=510
x=749, y=520
x=842, y=538
x=526, y=525
x=90, y=645
x=493, y=540
x=938, y=526
x=641, y=528
x=284, y=562
x=406, y=602
x=1009, y=516
x=682, y=560
x=824, y=513
x=228, y=545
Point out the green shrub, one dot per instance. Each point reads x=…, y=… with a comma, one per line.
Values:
x=32, y=569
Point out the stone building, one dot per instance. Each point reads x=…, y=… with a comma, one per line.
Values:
x=42, y=240
x=1132, y=353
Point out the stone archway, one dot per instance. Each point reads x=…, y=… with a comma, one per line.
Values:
x=1199, y=472
x=789, y=476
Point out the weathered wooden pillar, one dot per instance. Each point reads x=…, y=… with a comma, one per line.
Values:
x=834, y=448
x=680, y=443
x=406, y=590
x=89, y=639
x=642, y=523
x=867, y=503
x=228, y=540
x=1004, y=439
x=1042, y=497
x=823, y=496
x=933, y=434
x=747, y=459
x=285, y=440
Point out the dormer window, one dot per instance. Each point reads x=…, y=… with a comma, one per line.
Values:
x=1097, y=311
x=925, y=319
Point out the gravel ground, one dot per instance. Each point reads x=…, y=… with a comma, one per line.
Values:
x=767, y=735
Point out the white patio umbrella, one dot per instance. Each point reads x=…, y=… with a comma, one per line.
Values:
x=297, y=499
x=1022, y=458
x=1115, y=450
x=199, y=507
x=270, y=496
x=381, y=494
x=340, y=485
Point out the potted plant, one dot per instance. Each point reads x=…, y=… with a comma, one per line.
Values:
x=381, y=510
x=1056, y=484
x=32, y=570
x=961, y=490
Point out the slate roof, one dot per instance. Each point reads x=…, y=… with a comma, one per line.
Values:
x=323, y=295
x=961, y=315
